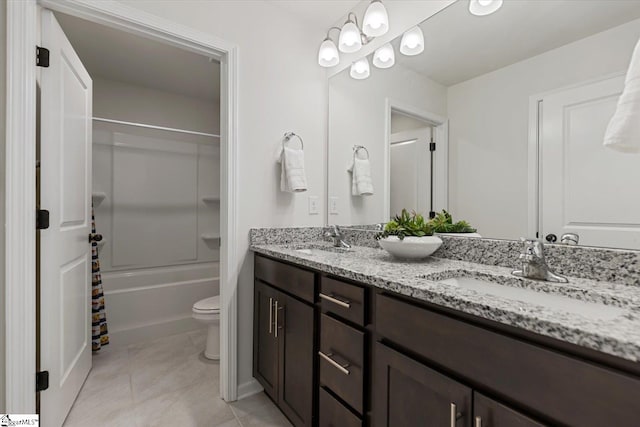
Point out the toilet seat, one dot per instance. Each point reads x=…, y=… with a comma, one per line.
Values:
x=209, y=305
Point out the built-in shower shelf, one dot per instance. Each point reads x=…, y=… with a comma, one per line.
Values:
x=211, y=199
x=98, y=197
x=211, y=239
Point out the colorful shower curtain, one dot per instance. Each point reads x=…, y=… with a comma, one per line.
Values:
x=99, y=331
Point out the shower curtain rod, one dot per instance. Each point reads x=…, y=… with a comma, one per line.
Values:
x=143, y=125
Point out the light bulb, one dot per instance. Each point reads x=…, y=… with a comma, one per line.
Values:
x=360, y=69
x=412, y=42
x=484, y=7
x=328, y=54
x=376, y=20
x=384, y=57
x=349, y=38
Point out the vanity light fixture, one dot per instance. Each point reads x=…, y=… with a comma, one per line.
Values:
x=484, y=7
x=376, y=20
x=384, y=57
x=352, y=37
x=360, y=69
x=412, y=42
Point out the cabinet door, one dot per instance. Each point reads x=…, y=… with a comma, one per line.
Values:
x=407, y=393
x=294, y=323
x=489, y=413
x=265, y=344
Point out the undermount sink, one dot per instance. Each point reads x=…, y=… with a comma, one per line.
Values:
x=550, y=300
x=321, y=249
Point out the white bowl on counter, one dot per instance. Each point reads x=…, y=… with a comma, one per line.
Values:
x=477, y=235
x=410, y=247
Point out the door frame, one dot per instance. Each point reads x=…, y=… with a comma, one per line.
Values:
x=534, y=151
x=20, y=251
x=440, y=133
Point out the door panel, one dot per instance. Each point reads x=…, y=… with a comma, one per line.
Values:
x=407, y=393
x=265, y=344
x=489, y=413
x=410, y=174
x=65, y=257
x=578, y=173
x=295, y=338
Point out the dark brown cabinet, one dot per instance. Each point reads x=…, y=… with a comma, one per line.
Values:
x=407, y=393
x=283, y=359
x=489, y=413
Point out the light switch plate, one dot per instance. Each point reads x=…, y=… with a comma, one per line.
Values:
x=333, y=206
x=314, y=209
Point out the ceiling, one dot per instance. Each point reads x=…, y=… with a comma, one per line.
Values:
x=319, y=13
x=460, y=46
x=116, y=55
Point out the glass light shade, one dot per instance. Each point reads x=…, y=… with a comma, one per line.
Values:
x=412, y=42
x=360, y=69
x=384, y=57
x=328, y=54
x=484, y=7
x=376, y=20
x=349, y=38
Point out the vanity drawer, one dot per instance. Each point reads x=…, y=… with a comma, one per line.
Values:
x=294, y=280
x=341, y=360
x=554, y=385
x=333, y=414
x=343, y=299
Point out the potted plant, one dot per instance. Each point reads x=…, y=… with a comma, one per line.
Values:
x=443, y=223
x=408, y=236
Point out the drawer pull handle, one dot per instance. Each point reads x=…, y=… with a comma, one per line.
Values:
x=341, y=368
x=455, y=415
x=333, y=299
x=270, y=315
x=478, y=422
x=276, y=324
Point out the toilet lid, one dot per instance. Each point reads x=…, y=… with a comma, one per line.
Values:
x=208, y=304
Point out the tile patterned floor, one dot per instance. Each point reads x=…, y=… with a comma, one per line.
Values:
x=165, y=382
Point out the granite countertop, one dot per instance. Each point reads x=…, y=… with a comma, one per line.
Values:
x=617, y=334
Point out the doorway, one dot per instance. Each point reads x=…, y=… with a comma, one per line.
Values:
x=23, y=19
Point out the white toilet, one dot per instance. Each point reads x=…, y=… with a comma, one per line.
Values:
x=208, y=311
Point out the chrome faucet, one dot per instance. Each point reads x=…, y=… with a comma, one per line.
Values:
x=334, y=233
x=534, y=265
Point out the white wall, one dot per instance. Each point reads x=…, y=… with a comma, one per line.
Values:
x=488, y=125
x=357, y=115
x=281, y=88
x=155, y=264
x=401, y=122
x=3, y=79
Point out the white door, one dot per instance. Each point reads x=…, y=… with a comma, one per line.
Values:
x=65, y=263
x=410, y=174
x=586, y=188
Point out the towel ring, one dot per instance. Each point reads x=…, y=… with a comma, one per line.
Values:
x=357, y=148
x=288, y=136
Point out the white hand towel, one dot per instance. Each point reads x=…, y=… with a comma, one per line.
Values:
x=292, y=176
x=623, y=132
x=361, y=183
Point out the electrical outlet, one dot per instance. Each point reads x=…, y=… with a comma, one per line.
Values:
x=313, y=205
x=333, y=206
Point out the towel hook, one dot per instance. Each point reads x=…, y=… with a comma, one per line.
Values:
x=288, y=136
x=357, y=148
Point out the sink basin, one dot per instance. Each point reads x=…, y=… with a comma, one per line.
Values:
x=555, y=302
x=321, y=250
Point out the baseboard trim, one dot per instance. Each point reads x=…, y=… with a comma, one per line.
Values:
x=152, y=331
x=249, y=388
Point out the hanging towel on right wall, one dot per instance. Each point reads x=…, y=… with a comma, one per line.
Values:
x=623, y=132
x=361, y=183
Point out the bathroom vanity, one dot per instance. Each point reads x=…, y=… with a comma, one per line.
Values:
x=354, y=338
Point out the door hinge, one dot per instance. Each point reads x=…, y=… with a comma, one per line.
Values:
x=42, y=380
x=432, y=146
x=42, y=219
x=42, y=56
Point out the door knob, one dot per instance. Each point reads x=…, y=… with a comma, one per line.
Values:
x=551, y=238
x=95, y=237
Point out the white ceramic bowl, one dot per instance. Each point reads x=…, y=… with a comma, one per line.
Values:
x=410, y=247
x=460, y=234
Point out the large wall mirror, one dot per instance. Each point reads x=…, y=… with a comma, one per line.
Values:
x=516, y=104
